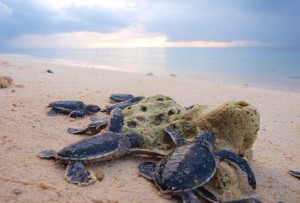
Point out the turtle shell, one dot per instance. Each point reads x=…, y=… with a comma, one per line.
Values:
x=95, y=147
x=186, y=168
x=67, y=106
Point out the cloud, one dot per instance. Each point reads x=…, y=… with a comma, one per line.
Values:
x=172, y=23
x=270, y=21
x=33, y=18
x=5, y=10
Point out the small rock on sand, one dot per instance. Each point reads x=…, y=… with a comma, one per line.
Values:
x=99, y=175
x=5, y=81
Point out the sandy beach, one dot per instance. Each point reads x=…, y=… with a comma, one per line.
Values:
x=26, y=130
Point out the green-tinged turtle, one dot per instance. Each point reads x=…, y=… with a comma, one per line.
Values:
x=295, y=173
x=185, y=170
x=105, y=146
x=124, y=104
x=75, y=109
x=116, y=98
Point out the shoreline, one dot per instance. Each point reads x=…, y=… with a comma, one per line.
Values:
x=215, y=77
x=26, y=130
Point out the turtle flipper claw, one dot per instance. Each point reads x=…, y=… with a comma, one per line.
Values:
x=77, y=173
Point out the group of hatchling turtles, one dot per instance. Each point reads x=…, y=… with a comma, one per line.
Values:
x=182, y=172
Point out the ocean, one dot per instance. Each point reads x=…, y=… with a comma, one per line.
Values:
x=277, y=68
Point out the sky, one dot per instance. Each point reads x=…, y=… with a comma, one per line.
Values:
x=149, y=23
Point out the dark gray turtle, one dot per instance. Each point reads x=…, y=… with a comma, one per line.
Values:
x=75, y=109
x=185, y=170
x=116, y=98
x=105, y=146
x=123, y=105
x=295, y=173
x=95, y=127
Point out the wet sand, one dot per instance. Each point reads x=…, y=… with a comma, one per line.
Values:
x=26, y=130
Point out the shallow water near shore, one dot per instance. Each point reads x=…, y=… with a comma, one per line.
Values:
x=276, y=68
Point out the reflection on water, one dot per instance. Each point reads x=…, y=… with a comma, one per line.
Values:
x=277, y=68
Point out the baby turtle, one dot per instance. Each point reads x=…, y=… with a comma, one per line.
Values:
x=295, y=173
x=185, y=170
x=75, y=109
x=116, y=98
x=105, y=146
x=93, y=128
x=124, y=104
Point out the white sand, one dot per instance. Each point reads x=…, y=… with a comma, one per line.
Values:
x=26, y=130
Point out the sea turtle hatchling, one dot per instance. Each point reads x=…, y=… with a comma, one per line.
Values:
x=117, y=98
x=124, y=104
x=75, y=109
x=185, y=170
x=105, y=146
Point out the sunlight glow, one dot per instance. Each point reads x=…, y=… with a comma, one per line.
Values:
x=121, y=39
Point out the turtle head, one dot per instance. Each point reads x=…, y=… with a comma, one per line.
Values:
x=91, y=109
x=134, y=140
x=207, y=137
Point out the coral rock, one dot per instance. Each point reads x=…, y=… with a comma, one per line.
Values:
x=149, y=119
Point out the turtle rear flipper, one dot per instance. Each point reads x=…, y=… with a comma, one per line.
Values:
x=248, y=200
x=201, y=191
x=47, y=154
x=295, y=173
x=76, y=131
x=52, y=112
x=147, y=170
x=189, y=197
x=146, y=152
x=236, y=160
x=77, y=173
x=78, y=114
x=175, y=136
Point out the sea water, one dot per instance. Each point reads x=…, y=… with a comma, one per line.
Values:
x=277, y=68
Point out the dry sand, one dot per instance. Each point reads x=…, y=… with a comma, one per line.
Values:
x=26, y=130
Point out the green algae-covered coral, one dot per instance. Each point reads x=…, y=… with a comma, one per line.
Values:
x=234, y=123
x=149, y=119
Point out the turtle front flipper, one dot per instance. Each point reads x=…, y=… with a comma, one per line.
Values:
x=78, y=114
x=147, y=170
x=295, y=173
x=236, y=160
x=201, y=191
x=77, y=173
x=176, y=136
x=117, y=120
x=77, y=131
x=47, y=154
x=52, y=112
